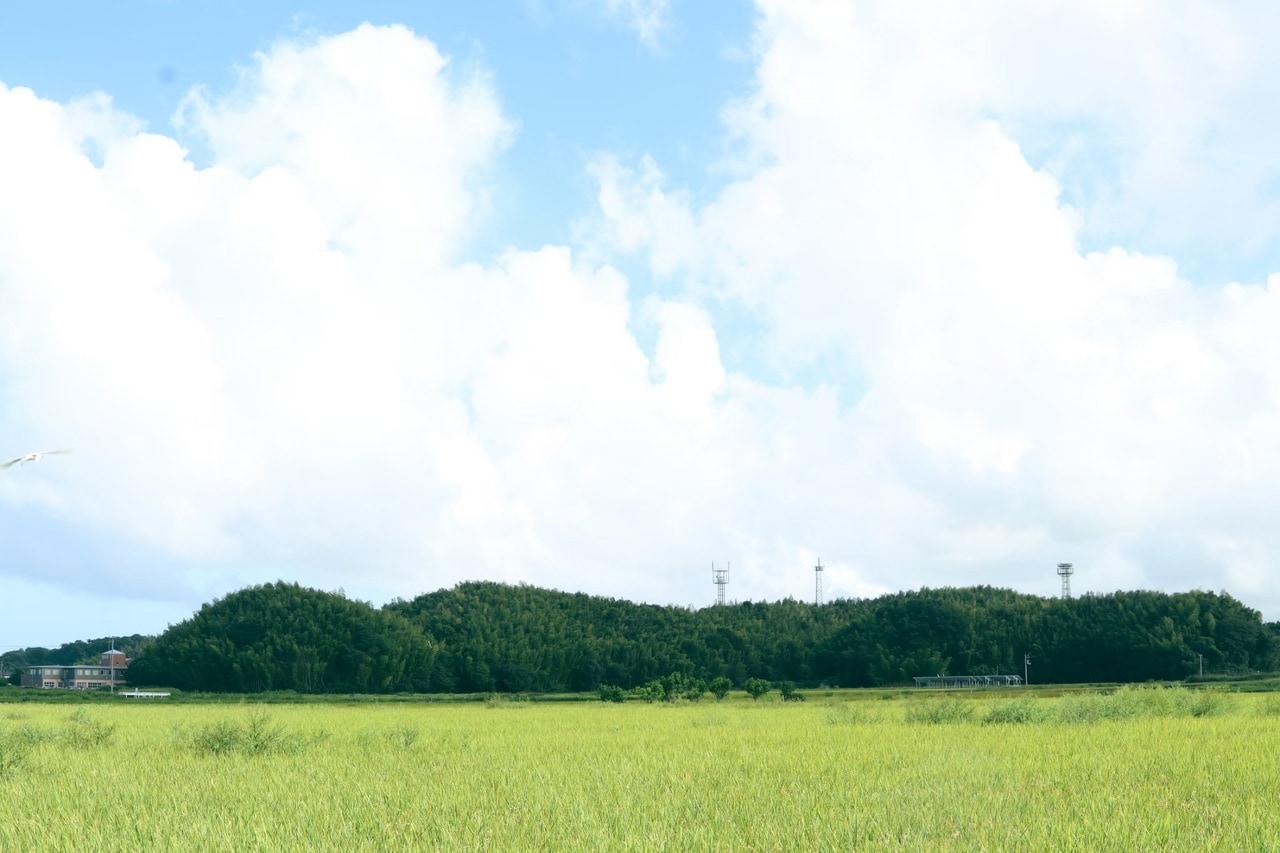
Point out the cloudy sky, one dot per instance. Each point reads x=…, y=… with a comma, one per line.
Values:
x=593, y=294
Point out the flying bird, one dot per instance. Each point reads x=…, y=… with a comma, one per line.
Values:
x=32, y=457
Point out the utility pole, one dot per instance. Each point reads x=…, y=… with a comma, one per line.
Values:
x=1026, y=669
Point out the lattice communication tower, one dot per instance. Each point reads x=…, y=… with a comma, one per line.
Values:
x=817, y=583
x=721, y=579
x=1065, y=570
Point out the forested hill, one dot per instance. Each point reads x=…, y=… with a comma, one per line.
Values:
x=479, y=637
x=524, y=638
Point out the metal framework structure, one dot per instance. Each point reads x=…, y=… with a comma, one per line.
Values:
x=943, y=681
x=1065, y=570
x=720, y=577
x=817, y=583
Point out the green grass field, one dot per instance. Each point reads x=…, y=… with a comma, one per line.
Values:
x=1140, y=770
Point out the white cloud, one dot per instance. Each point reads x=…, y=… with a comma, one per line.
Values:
x=285, y=363
x=276, y=363
x=648, y=18
x=360, y=121
x=1040, y=403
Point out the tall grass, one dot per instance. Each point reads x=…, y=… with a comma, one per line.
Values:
x=1182, y=771
x=938, y=710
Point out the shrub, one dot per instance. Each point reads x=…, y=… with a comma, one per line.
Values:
x=1081, y=708
x=220, y=738
x=1024, y=709
x=611, y=693
x=757, y=687
x=258, y=735
x=1133, y=702
x=939, y=711
x=84, y=732
x=650, y=692
x=1207, y=703
x=263, y=735
x=720, y=687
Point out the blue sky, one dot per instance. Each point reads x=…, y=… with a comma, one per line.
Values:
x=591, y=294
x=577, y=77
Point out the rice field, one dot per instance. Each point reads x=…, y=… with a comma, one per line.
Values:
x=1140, y=770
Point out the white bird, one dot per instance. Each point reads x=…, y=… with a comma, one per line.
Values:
x=32, y=457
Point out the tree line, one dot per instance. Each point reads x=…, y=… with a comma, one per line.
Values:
x=491, y=637
x=16, y=662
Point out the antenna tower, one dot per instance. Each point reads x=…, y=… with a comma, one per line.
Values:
x=817, y=583
x=721, y=579
x=1065, y=570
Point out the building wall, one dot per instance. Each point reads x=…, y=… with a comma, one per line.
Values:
x=75, y=677
x=43, y=676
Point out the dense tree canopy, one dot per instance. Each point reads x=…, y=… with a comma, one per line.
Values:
x=286, y=637
x=480, y=637
x=516, y=638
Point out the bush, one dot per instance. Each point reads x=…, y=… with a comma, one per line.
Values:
x=650, y=692
x=84, y=732
x=789, y=692
x=720, y=687
x=262, y=735
x=610, y=693
x=1207, y=703
x=1082, y=708
x=220, y=738
x=1024, y=709
x=757, y=687
x=939, y=711
x=695, y=689
x=1132, y=702
x=258, y=735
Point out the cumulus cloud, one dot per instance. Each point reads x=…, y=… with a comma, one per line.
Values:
x=1036, y=401
x=279, y=363
x=284, y=361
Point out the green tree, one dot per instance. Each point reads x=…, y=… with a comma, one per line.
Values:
x=694, y=689
x=757, y=687
x=610, y=693
x=651, y=692
x=674, y=686
x=484, y=637
x=720, y=687
x=286, y=637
